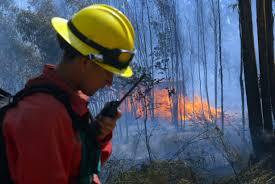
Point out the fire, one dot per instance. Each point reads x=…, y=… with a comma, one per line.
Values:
x=187, y=109
x=196, y=109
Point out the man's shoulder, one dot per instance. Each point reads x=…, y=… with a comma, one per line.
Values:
x=37, y=108
x=39, y=116
x=41, y=102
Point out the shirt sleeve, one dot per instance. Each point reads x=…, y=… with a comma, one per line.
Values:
x=40, y=144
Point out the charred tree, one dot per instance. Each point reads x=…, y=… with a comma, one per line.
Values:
x=270, y=50
x=250, y=74
x=242, y=89
x=264, y=65
x=242, y=97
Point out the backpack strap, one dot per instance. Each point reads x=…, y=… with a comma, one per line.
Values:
x=4, y=93
x=5, y=176
x=50, y=89
x=79, y=122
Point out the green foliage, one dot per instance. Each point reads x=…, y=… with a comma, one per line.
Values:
x=20, y=56
x=45, y=8
x=35, y=27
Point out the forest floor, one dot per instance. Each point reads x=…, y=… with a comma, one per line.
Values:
x=258, y=173
x=207, y=156
x=179, y=173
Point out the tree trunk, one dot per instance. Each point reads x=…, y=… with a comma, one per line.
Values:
x=204, y=60
x=242, y=89
x=270, y=59
x=215, y=35
x=199, y=55
x=220, y=59
x=242, y=97
x=270, y=49
x=250, y=73
x=152, y=95
x=147, y=137
x=263, y=62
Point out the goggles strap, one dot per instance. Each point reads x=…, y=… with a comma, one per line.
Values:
x=85, y=39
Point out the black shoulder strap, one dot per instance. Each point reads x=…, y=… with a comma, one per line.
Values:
x=4, y=93
x=53, y=90
x=57, y=93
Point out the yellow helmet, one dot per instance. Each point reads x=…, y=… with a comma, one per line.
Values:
x=102, y=33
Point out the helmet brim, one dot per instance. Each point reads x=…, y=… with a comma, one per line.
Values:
x=61, y=27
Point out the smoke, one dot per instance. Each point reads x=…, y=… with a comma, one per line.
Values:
x=200, y=145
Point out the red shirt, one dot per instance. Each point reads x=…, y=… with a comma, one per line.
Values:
x=42, y=146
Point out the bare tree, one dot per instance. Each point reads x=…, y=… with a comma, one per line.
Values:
x=151, y=55
x=264, y=65
x=201, y=27
x=270, y=49
x=250, y=72
x=242, y=99
x=171, y=42
x=221, y=66
x=215, y=35
x=198, y=52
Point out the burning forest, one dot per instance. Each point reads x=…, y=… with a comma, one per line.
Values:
x=203, y=113
x=194, y=110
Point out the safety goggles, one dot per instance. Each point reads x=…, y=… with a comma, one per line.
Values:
x=118, y=58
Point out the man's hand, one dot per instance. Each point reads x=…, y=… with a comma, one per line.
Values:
x=107, y=124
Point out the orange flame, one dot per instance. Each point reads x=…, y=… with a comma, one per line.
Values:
x=194, y=110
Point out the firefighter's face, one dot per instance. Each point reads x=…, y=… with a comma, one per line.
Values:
x=94, y=78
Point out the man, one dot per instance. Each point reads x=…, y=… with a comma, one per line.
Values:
x=42, y=146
